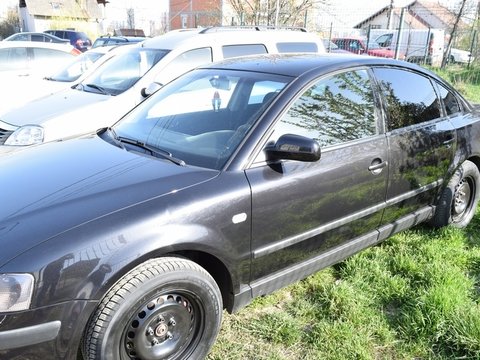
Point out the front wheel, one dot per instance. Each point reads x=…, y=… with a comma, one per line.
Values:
x=166, y=308
x=459, y=199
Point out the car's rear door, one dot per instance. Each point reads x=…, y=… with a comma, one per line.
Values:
x=306, y=215
x=421, y=142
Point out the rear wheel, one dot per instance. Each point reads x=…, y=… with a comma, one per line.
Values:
x=459, y=200
x=167, y=308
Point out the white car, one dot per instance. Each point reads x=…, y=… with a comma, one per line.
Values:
x=117, y=86
x=33, y=58
x=460, y=56
x=28, y=88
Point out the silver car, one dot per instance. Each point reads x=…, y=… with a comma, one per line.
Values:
x=117, y=86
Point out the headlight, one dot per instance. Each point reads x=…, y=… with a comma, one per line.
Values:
x=15, y=292
x=26, y=135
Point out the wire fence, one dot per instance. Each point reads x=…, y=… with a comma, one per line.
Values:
x=340, y=19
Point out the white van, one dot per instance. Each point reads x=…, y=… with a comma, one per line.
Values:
x=416, y=45
x=115, y=87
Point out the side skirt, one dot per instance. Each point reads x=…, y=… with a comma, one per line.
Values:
x=270, y=283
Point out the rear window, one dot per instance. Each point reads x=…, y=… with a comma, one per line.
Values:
x=449, y=100
x=243, y=50
x=294, y=47
x=410, y=97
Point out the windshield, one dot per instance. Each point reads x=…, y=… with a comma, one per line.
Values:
x=77, y=67
x=122, y=72
x=203, y=116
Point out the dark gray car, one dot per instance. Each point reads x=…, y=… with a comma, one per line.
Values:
x=228, y=183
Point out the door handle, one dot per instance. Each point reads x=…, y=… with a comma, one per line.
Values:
x=448, y=142
x=377, y=166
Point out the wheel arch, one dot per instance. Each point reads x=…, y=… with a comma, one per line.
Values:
x=476, y=160
x=216, y=268
x=211, y=263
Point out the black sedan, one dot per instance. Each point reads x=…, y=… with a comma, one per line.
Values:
x=228, y=183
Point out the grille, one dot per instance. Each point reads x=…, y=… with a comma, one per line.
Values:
x=4, y=134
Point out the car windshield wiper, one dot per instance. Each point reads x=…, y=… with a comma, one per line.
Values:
x=99, y=88
x=153, y=150
x=49, y=78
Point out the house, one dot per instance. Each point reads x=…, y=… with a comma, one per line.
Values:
x=40, y=15
x=194, y=13
x=419, y=14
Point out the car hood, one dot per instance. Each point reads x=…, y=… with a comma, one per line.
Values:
x=40, y=110
x=52, y=188
x=71, y=112
x=23, y=90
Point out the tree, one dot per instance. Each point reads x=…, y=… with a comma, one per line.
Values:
x=10, y=25
x=463, y=5
x=273, y=12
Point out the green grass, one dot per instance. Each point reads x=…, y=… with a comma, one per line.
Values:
x=465, y=80
x=415, y=296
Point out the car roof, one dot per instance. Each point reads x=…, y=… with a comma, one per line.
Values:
x=185, y=37
x=297, y=64
x=108, y=48
x=36, y=44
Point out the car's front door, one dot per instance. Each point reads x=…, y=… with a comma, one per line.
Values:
x=307, y=215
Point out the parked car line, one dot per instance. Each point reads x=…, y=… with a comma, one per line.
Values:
x=131, y=240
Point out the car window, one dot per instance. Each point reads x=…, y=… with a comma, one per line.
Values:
x=410, y=97
x=335, y=110
x=45, y=56
x=449, y=100
x=13, y=59
x=123, y=71
x=384, y=40
x=243, y=50
x=355, y=45
x=191, y=118
x=185, y=62
x=293, y=47
x=77, y=67
x=41, y=38
x=21, y=37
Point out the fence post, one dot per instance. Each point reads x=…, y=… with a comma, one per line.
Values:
x=472, y=45
x=427, y=46
x=399, y=37
x=368, y=38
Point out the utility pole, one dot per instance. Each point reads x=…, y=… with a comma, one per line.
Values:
x=390, y=15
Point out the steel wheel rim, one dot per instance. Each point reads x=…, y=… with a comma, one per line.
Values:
x=164, y=327
x=462, y=200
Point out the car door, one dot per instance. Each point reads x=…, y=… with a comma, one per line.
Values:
x=14, y=60
x=306, y=215
x=421, y=142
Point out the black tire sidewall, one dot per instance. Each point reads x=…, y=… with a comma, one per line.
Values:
x=443, y=212
x=198, y=287
x=469, y=170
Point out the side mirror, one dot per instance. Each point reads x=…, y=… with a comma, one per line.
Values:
x=150, y=89
x=294, y=147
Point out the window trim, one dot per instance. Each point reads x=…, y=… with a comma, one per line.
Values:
x=384, y=101
x=261, y=144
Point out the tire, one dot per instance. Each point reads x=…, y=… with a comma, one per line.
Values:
x=459, y=200
x=166, y=308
